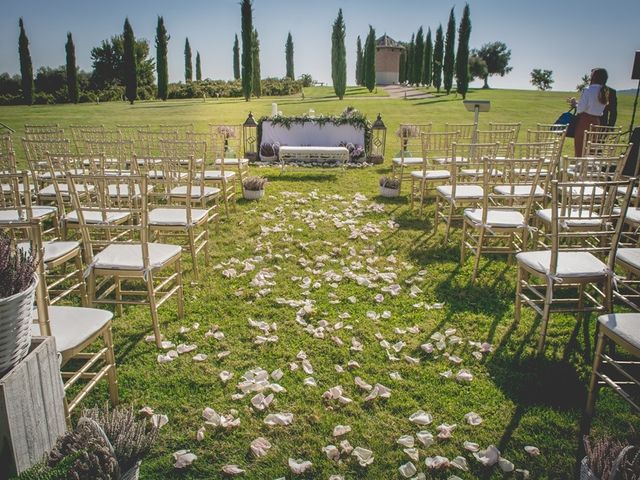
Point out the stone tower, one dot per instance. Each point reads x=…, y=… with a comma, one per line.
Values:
x=388, y=53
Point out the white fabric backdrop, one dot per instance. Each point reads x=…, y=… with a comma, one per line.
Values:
x=311, y=134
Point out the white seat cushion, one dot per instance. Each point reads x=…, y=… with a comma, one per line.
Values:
x=217, y=175
x=633, y=215
x=233, y=161
x=582, y=218
x=431, y=174
x=587, y=191
x=519, y=190
x=95, y=217
x=52, y=250
x=196, y=191
x=625, y=325
x=6, y=188
x=462, y=191
x=50, y=190
x=570, y=264
x=497, y=218
x=38, y=212
x=129, y=256
x=478, y=172
x=72, y=326
x=630, y=256
x=448, y=160
x=122, y=190
x=175, y=216
x=408, y=160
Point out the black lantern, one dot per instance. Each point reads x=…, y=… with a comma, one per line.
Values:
x=250, y=136
x=378, y=141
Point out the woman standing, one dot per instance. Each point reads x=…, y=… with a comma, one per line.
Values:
x=591, y=106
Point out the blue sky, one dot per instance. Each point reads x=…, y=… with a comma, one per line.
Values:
x=566, y=36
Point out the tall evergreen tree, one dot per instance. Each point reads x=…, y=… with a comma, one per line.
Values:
x=257, y=87
x=449, y=53
x=427, y=64
x=288, y=53
x=247, y=49
x=359, y=63
x=462, y=58
x=188, y=64
x=418, y=56
x=339, y=57
x=410, y=58
x=236, y=59
x=26, y=66
x=162, y=65
x=198, y=67
x=402, y=70
x=130, y=65
x=72, y=70
x=370, y=60
x=438, y=54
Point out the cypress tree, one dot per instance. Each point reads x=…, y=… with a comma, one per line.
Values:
x=247, y=49
x=288, y=51
x=188, y=64
x=403, y=66
x=198, y=67
x=438, y=53
x=257, y=87
x=26, y=67
x=129, y=63
x=427, y=64
x=410, y=59
x=72, y=70
x=236, y=59
x=449, y=54
x=359, y=62
x=462, y=59
x=162, y=66
x=339, y=57
x=370, y=60
x=418, y=55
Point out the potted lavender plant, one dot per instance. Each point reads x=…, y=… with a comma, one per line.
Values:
x=609, y=459
x=269, y=152
x=253, y=187
x=17, y=290
x=389, y=187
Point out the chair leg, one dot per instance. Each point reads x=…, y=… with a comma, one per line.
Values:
x=83, y=286
x=194, y=255
x=476, y=262
x=593, y=383
x=118, y=294
x=112, y=375
x=91, y=284
x=180, y=289
x=449, y=220
x=463, y=247
x=437, y=214
x=517, y=311
x=206, y=246
x=154, y=310
x=413, y=193
x=546, y=313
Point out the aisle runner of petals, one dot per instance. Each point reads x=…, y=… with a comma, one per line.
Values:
x=343, y=264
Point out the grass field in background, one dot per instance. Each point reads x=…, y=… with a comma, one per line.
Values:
x=524, y=400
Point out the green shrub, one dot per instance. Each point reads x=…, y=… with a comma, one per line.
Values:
x=41, y=98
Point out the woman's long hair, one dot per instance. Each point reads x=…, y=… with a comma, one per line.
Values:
x=599, y=76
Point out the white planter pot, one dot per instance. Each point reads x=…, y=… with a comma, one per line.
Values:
x=585, y=471
x=271, y=159
x=16, y=315
x=253, y=194
x=389, y=192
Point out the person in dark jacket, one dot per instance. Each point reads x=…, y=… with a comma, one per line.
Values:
x=610, y=113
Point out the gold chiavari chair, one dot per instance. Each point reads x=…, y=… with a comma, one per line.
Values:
x=410, y=152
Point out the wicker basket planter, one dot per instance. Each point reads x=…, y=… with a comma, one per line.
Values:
x=389, y=192
x=253, y=194
x=268, y=159
x=16, y=315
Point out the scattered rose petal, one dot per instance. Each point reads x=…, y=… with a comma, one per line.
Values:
x=407, y=470
x=473, y=418
x=340, y=430
x=159, y=421
x=421, y=418
x=531, y=450
x=299, y=466
x=232, y=470
x=364, y=456
x=260, y=446
x=183, y=458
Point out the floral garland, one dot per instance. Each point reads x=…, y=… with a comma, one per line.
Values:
x=350, y=116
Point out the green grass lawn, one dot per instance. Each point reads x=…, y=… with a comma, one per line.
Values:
x=523, y=400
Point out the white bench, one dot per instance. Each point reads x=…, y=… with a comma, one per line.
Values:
x=313, y=154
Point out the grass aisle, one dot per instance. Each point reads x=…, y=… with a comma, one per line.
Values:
x=321, y=238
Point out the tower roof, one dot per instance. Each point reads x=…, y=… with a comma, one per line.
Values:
x=386, y=41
